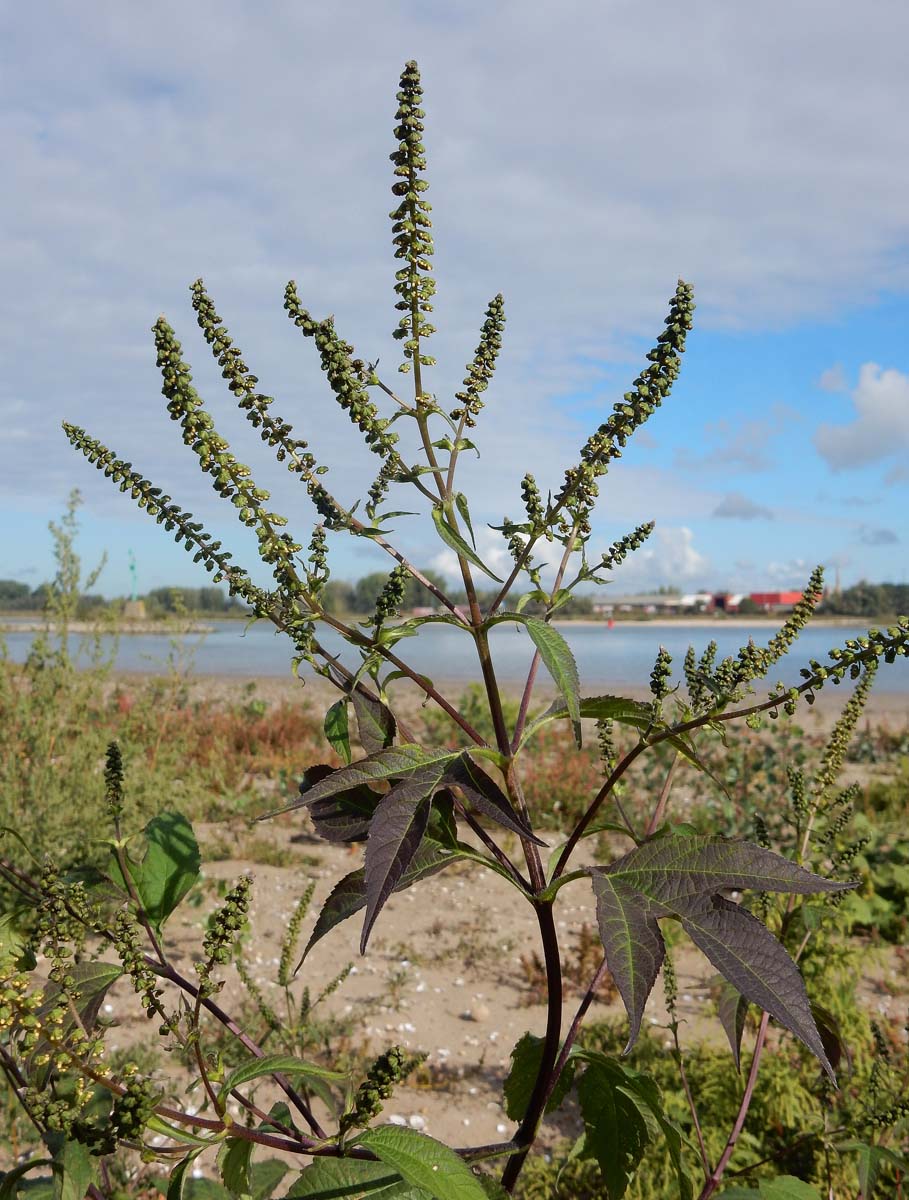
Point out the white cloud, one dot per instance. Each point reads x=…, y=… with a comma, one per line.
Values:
x=880, y=429
x=254, y=147
x=668, y=558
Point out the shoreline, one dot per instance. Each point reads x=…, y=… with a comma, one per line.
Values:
x=9, y=624
x=892, y=707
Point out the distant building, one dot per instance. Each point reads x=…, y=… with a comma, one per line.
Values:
x=652, y=603
x=727, y=602
x=775, y=601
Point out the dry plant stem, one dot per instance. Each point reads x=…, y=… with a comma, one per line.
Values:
x=660, y=811
x=166, y=971
x=692, y=1107
x=716, y=1175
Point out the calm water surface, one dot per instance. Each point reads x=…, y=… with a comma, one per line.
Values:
x=605, y=657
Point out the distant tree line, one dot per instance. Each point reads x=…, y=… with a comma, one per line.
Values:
x=340, y=597
x=868, y=600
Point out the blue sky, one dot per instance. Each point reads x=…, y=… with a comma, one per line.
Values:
x=582, y=157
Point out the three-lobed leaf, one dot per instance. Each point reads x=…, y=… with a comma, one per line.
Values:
x=682, y=876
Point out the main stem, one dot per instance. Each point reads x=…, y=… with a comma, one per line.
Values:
x=536, y=1107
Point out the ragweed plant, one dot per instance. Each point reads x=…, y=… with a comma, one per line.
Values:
x=418, y=808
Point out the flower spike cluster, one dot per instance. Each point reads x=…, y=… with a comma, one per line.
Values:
x=411, y=223
x=232, y=479
x=483, y=364
x=171, y=516
x=649, y=390
x=274, y=431
x=345, y=374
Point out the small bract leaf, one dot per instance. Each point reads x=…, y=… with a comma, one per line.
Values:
x=375, y=723
x=558, y=660
x=337, y=729
x=732, y=1008
x=464, y=512
x=453, y=539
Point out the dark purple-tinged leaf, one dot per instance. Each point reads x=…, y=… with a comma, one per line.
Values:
x=681, y=876
x=633, y=943
x=395, y=762
x=485, y=795
x=525, y=1067
x=315, y=774
x=375, y=723
x=345, y=817
x=673, y=870
x=831, y=1035
x=349, y=894
x=732, y=1008
x=337, y=729
x=394, y=837
x=750, y=957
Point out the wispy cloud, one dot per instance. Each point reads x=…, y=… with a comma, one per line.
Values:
x=735, y=506
x=872, y=536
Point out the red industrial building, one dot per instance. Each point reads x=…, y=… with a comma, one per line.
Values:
x=771, y=601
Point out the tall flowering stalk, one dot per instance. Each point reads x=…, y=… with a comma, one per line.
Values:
x=410, y=805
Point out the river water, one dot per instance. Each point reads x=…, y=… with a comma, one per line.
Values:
x=606, y=657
